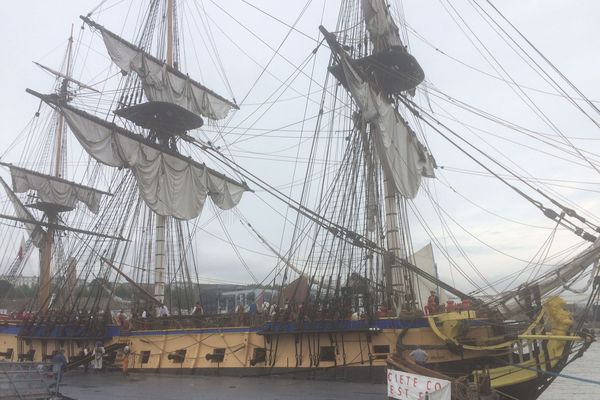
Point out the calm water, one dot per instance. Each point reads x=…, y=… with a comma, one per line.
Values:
x=569, y=389
x=149, y=386
x=155, y=386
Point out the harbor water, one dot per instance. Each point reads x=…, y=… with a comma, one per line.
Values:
x=587, y=367
x=147, y=386
x=102, y=386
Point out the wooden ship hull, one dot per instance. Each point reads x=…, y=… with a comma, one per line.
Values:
x=460, y=345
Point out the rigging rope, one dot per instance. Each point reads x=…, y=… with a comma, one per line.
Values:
x=571, y=84
x=413, y=107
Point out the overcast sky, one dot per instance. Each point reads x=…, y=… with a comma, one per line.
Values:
x=491, y=225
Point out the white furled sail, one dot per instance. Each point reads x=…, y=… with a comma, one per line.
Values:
x=383, y=31
x=170, y=184
x=162, y=82
x=404, y=159
x=54, y=190
x=423, y=259
x=555, y=279
x=36, y=233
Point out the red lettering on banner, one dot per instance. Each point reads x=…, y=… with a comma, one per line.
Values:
x=401, y=392
x=402, y=385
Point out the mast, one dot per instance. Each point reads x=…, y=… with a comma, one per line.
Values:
x=159, y=256
x=47, y=248
x=395, y=292
x=45, y=262
x=375, y=77
x=166, y=103
x=61, y=119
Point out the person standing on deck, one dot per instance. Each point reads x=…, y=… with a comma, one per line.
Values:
x=59, y=366
x=419, y=355
x=121, y=318
x=84, y=353
x=433, y=303
x=197, y=310
x=98, y=353
x=145, y=316
x=163, y=311
x=253, y=309
x=126, y=353
x=239, y=311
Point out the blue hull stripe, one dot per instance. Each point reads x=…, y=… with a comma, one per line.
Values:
x=268, y=329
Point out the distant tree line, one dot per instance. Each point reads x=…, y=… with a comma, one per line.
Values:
x=9, y=291
x=178, y=295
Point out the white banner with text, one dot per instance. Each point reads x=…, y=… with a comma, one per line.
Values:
x=405, y=386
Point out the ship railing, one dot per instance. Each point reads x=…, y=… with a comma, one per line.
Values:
x=198, y=321
x=67, y=330
x=27, y=380
x=224, y=320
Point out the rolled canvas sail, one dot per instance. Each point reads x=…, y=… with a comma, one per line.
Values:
x=383, y=31
x=402, y=156
x=557, y=278
x=54, y=190
x=170, y=184
x=163, y=83
x=36, y=233
x=424, y=260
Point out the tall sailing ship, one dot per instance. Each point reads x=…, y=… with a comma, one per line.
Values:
x=347, y=299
